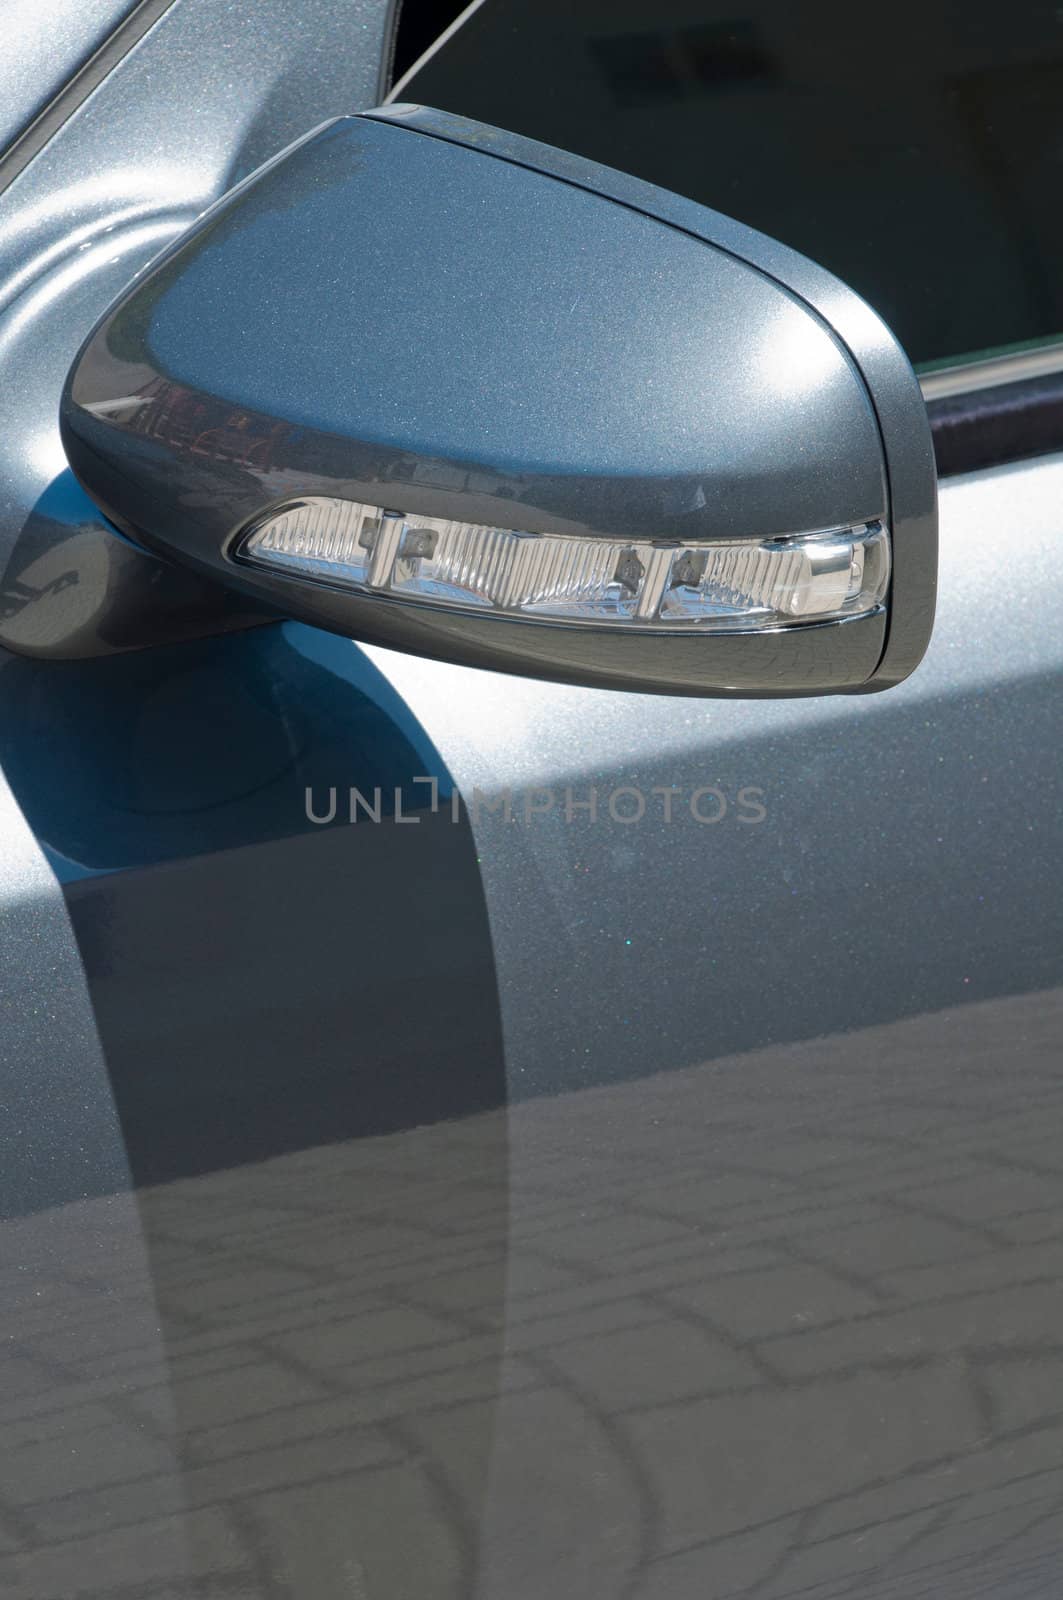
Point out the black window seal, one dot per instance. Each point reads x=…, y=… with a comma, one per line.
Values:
x=997, y=423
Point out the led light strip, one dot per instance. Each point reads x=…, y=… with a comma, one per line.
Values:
x=732, y=586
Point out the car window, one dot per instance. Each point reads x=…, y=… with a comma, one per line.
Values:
x=418, y=24
x=915, y=149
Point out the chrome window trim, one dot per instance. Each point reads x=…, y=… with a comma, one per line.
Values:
x=1016, y=366
x=395, y=93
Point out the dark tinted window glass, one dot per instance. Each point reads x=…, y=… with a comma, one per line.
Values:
x=417, y=25
x=916, y=149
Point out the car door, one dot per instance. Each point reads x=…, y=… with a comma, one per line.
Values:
x=630, y=1165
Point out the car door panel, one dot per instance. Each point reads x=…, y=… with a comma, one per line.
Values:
x=630, y=1166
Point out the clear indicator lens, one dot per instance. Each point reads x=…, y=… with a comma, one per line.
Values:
x=708, y=586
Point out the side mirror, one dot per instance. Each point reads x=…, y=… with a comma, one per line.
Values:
x=445, y=389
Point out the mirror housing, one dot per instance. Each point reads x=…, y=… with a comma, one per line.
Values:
x=441, y=388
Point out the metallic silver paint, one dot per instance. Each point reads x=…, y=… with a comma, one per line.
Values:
x=412, y=311
x=725, y=1330
x=816, y=919
x=782, y=1322
x=46, y=42
x=860, y=332
x=199, y=102
x=57, y=1108
x=771, y=1307
x=527, y=340
x=59, y=1117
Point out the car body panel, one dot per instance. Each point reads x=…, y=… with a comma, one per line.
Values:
x=725, y=1253
x=193, y=106
x=459, y=1206
x=51, y=42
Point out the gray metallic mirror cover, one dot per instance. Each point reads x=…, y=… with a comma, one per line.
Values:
x=410, y=310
